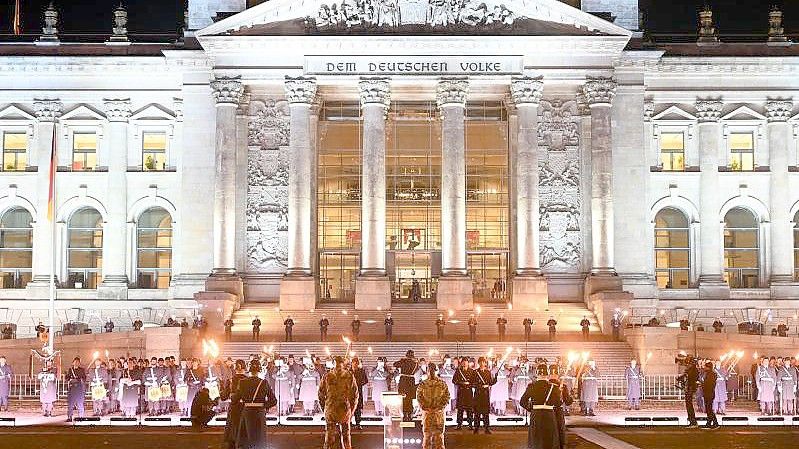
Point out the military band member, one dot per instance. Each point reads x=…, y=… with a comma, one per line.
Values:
x=528, y=328
x=388, y=323
x=633, y=375
x=182, y=374
x=521, y=379
x=6, y=374
x=309, y=385
x=720, y=397
x=128, y=392
x=100, y=385
x=47, y=388
x=76, y=382
x=151, y=379
x=284, y=387
x=194, y=381
x=256, y=329
x=447, y=373
x=551, y=325
x=499, y=391
x=433, y=396
x=289, y=325
x=228, y=328
x=472, y=323
x=379, y=378
x=465, y=396
x=540, y=399
x=787, y=382
x=407, y=368
x=338, y=396
x=255, y=397
x=502, y=324
x=589, y=393
x=765, y=378
x=440, y=323
x=324, y=323
x=356, y=328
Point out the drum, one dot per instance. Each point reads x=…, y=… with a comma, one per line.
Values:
x=182, y=393
x=213, y=390
x=98, y=392
x=154, y=394
x=166, y=391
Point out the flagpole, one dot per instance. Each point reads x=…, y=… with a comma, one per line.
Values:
x=51, y=217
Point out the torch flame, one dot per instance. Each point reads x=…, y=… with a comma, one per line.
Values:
x=451, y=312
x=96, y=355
x=478, y=309
x=369, y=349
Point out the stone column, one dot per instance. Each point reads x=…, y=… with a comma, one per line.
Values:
x=599, y=93
x=454, y=285
x=298, y=287
x=372, y=287
x=711, y=250
x=47, y=113
x=115, y=239
x=529, y=285
x=779, y=141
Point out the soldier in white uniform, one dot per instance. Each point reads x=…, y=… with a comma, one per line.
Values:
x=99, y=381
x=309, y=386
x=6, y=374
x=787, y=383
x=521, y=379
x=499, y=391
x=589, y=392
x=284, y=385
x=766, y=378
x=633, y=375
x=379, y=377
x=446, y=373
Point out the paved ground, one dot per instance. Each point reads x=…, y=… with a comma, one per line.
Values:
x=749, y=438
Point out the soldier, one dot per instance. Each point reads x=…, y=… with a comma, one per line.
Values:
x=228, y=328
x=615, y=324
x=100, y=382
x=502, y=323
x=255, y=397
x=289, y=324
x=585, y=325
x=720, y=401
x=589, y=393
x=787, y=383
x=463, y=381
x=389, y=325
x=379, y=378
x=708, y=394
x=48, y=391
x=528, y=328
x=324, y=323
x=482, y=382
x=109, y=326
x=284, y=387
x=309, y=385
x=151, y=378
x=137, y=324
x=356, y=328
x=633, y=375
x=6, y=374
x=718, y=326
x=361, y=380
x=407, y=369
x=338, y=396
x=684, y=324
x=447, y=373
x=782, y=330
x=256, y=329
x=433, y=397
x=440, y=323
x=540, y=399
x=765, y=378
x=472, y=328
x=551, y=325
x=76, y=381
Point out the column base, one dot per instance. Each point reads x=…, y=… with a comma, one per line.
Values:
x=297, y=293
x=229, y=283
x=454, y=293
x=111, y=290
x=216, y=307
x=713, y=287
x=530, y=293
x=783, y=287
x=372, y=293
x=602, y=281
x=39, y=288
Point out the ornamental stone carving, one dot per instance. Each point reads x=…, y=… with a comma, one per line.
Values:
x=558, y=127
x=117, y=110
x=47, y=110
x=120, y=28
x=649, y=110
x=527, y=90
x=779, y=110
x=394, y=13
x=709, y=110
x=375, y=91
x=301, y=89
x=599, y=90
x=50, y=28
x=268, y=126
x=227, y=90
x=452, y=91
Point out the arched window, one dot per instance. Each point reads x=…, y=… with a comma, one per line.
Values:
x=85, y=250
x=154, y=249
x=16, y=248
x=672, y=249
x=741, y=249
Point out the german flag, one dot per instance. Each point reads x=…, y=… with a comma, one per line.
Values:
x=17, y=18
x=51, y=177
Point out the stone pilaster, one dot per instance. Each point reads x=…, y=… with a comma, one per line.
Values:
x=529, y=287
x=711, y=249
x=298, y=288
x=372, y=287
x=779, y=141
x=454, y=286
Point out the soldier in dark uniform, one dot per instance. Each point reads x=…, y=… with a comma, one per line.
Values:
x=472, y=328
x=76, y=382
x=228, y=329
x=684, y=324
x=502, y=323
x=690, y=378
x=361, y=380
x=567, y=401
x=463, y=382
x=407, y=384
x=782, y=330
x=324, y=323
x=440, y=323
x=256, y=329
x=528, y=328
x=256, y=397
x=482, y=382
x=615, y=324
x=236, y=406
x=109, y=326
x=718, y=326
x=289, y=324
x=585, y=325
x=540, y=399
x=356, y=328
x=551, y=325
x=137, y=324
x=389, y=325
x=709, y=395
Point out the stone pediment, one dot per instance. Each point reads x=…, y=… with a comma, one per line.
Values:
x=413, y=17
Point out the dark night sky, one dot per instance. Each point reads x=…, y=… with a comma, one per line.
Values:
x=163, y=16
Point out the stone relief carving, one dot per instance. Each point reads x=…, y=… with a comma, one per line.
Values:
x=267, y=186
x=559, y=186
x=392, y=13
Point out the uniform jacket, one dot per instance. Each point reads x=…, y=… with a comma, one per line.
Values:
x=338, y=395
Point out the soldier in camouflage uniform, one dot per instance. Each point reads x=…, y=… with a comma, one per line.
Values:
x=338, y=396
x=433, y=396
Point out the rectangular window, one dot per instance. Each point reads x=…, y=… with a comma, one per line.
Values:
x=84, y=151
x=15, y=151
x=672, y=151
x=154, y=151
x=742, y=152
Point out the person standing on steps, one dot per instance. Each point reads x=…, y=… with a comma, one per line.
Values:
x=440, y=323
x=551, y=324
x=528, y=328
x=388, y=323
x=615, y=324
x=502, y=323
x=472, y=328
x=228, y=328
x=256, y=329
x=586, y=326
x=356, y=328
x=289, y=324
x=324, y=323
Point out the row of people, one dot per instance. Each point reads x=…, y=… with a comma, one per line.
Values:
x=776, y=380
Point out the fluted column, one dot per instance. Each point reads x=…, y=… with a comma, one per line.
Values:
x=115, y=228
x=711, y=274
x=227, y=93
x=779, y=141
x=47, y=113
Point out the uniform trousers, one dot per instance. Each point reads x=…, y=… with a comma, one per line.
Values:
x=337, y=435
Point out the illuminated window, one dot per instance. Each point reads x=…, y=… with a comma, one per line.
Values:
x=742, y=152
x=672, y=249
x=154, y=151
x=15, y=151
x=741, y=249
x=154, y=249
x=16, y=248
x=672, y=151
x=85, y=250
x=84, y=151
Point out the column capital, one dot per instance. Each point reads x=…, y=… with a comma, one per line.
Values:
x=227, y=90
x=527, y=89
x=375, y=91
x=599, y=90
x=779, y=110
x=117, y=110
x=452, y=91
x=47, y=110
x=709, y=110
x=300, y=89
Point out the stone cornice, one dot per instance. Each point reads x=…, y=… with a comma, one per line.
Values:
x=374, y=91
x=300, y=89
x=599, y=90
x=47, y=110
x=227, y=90
x=779, y=110
x=117, y=110
x=527, y=90
x=452, y=91
x=708, y=111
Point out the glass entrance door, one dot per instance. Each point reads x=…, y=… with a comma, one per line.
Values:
x=412, y=277
x=337, y=273
x=489, y=273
